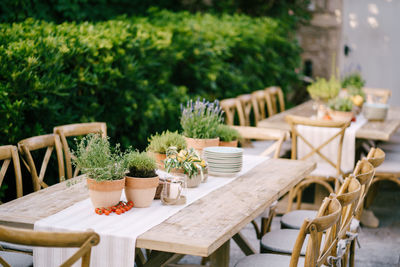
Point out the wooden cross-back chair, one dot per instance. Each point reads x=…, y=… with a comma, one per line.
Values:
x=295, y=121
x=229, y=106
x=49, y=141
x=82, y=240
x=274, y=95
x=259, y=102
x=327, y=220
x=377, y=94
x=9, y=153
x=244, y=107
x=78, y=129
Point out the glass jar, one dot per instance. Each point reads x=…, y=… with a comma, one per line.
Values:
x=174, y=191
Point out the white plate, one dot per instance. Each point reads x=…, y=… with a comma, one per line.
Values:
x=228, y=175
x=223, y=149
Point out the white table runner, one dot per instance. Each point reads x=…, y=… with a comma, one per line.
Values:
x=318, y=135
x=118, y=233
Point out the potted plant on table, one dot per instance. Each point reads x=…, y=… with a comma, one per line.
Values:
x=142, y=180
x=104, y=168
x=228, y=136
x=324, y=90
x=199, y=122
x=186, y=163
x=159, y=143
x=341, y=109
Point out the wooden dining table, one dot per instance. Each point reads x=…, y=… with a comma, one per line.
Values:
x=372, y=130
x=204, y=228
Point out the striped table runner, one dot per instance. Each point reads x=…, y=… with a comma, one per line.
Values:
x=118, y=233
x=318, y=135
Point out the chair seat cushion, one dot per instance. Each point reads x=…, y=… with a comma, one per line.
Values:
x=281, y=241
x=294, y=219
x=267, y=260
x=11, y=246
x=16, y=259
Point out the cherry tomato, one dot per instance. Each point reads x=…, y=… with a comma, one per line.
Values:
x=107, y=212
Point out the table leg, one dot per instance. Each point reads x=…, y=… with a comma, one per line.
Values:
x=220, y=258
x=244, y=244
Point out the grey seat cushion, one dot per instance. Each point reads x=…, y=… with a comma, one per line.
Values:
x=16, y=259
x=267, y=260
x=294, y=219
x=281, y=241
x=11, y=246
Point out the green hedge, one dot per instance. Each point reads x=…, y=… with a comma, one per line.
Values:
x=134, y=72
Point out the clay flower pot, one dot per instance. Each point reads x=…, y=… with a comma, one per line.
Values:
x=159, y=159
x=200, y=144
x=141, y=191
x=105, y=193
x=233, y=143
x=341, y=115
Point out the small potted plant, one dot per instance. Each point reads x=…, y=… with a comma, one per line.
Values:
x=142, y=180
x=104, y=168
x=324, y=90
x=340, y=109
x=186, y=162
x=199, y=122
x=159, y=143
x=228, y=136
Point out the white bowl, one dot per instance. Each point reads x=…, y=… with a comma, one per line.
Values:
x=375, y=111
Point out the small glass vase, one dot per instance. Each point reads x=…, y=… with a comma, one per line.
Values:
x=174, y=191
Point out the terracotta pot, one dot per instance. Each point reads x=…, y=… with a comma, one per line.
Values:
x=105, y=193
x=341, y=115
x=200, y=144
x=141, y=191
x=230, y=143
x=159, y=159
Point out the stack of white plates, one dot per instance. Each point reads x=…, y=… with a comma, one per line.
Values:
x=223, y=161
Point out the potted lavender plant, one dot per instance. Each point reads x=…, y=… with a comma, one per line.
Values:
x=200, y=121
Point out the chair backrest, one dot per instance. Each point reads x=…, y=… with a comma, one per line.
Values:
x=259, y=102
x=8, y=153
x=274, y=95
x=248, y=132
x=82, y=240
x=229, y=107
x=49, y=141
x=77, y=129
x=327, y=219
x=244, y=108
x=295, y=121
x=377, y=95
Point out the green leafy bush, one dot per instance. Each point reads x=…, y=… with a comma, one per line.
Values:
x=227, y=133
x=140, y=164
x=324, y=90
x=133, y=73
x=95, y=157
x=159, y=143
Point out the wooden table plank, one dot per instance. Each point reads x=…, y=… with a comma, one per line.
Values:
x=375, y=130
x=208, y=223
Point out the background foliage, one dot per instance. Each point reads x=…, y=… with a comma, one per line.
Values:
x=134, y=72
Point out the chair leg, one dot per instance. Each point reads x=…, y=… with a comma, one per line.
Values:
x=352, y=253
x=257, y=229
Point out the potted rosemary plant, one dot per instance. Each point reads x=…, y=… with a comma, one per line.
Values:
x=159, y=143
x=340, y=109
x=199, y=122
x=228, y=136
x=187, y=163
x=104, y=168
x=142, y=180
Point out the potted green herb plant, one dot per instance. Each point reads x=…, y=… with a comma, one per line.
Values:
x=323, y=90
x=104, y=168
x=188, y=163
x=159, y=143
x=199, y=122
x=142, y=180
x=340, y=109
x=228, y=136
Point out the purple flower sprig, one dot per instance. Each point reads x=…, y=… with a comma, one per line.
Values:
x=200, y=119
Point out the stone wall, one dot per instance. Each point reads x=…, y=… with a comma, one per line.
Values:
x=320, y=39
